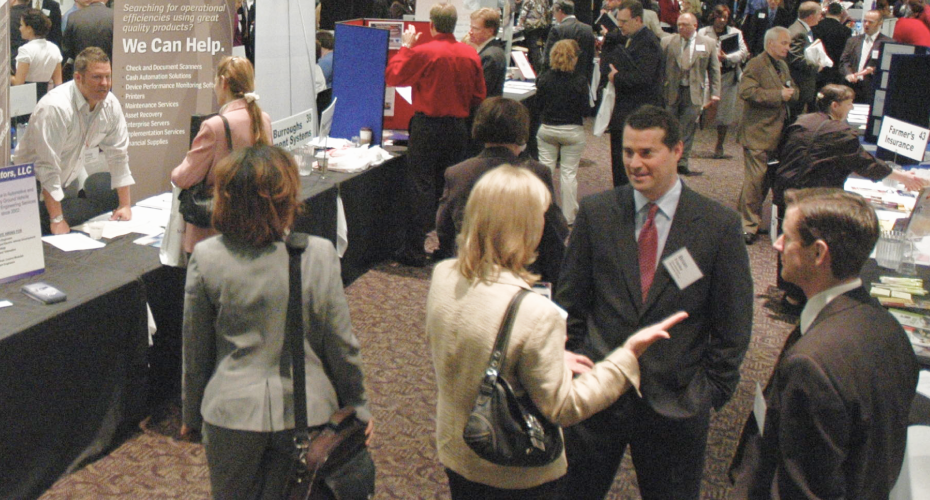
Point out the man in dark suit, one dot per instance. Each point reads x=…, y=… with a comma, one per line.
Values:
x=860, y=57
x=836, y=408
x=91, y=26
x=483, y=37
x=803, y=71
x=568, y=27
x=834, y=35
x=637, y=254
x=502, y=126
x=757, y=23
x=636, y=70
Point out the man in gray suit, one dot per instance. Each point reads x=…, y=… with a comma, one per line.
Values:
x=836, y=408
x=692, y=80
x=803, y=71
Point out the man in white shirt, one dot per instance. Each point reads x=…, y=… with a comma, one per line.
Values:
x=836, y=408
x=68, y=129
x=860, y=57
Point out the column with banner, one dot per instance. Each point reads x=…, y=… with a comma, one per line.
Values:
x=164, y=59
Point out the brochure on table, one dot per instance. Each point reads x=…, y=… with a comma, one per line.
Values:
x=21, y=252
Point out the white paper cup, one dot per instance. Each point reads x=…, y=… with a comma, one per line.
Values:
x=95, y=230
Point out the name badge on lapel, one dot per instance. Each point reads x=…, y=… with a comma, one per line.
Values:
x=699, y=47
x=761, y=15
x=681, y=266
x=90, y=155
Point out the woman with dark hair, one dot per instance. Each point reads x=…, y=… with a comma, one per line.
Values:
x=913, y=29
x=731, y=70
x=237, y=373
x=820, y=150
x=464, y=310
x=38, y=60
x=562, y=98
x=234, y=86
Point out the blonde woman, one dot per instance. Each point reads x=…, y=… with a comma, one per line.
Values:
x=562, y=97
x=465, y=307
x=234, y=86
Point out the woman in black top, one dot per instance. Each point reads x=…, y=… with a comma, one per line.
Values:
x=562, y=97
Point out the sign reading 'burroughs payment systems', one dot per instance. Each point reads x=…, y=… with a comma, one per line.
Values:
x=164, y=59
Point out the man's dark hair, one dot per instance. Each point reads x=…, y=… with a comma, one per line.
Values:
x=326, y=39
x=834, y=9
x=649, y=116
x=88, y=56
x=634, y=6
x=844, y=221
x=443, y=16
x=501, y=121
x=566, y=7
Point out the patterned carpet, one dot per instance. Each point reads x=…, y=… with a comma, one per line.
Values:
x=388, y=310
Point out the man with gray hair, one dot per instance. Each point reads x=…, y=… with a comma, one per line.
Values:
x=447, y=82
x=569, y=27
x=766, y=88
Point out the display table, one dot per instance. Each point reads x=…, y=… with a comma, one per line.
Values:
x=75, y=373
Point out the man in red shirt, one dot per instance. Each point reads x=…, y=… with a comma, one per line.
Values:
x=447, y=81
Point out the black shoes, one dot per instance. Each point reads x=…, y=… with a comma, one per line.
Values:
x=411, y=259
x=687, y=172
x=750, y=238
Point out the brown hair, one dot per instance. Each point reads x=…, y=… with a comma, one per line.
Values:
x=504, y=220
x=88, y=56
x=38, y=21
x=833, y=93
x=844, y=221
x=240, y=76
x=491, y=18
x=255, y=197
x=564, y=55
x=443, y=16
x=501, y=121
x=719, y=11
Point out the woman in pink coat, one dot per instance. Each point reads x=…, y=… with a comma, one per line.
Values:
x=234, y=85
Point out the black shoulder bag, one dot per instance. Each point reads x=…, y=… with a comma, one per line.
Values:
x=331, y=462
x=502, y=428
x=196, y=202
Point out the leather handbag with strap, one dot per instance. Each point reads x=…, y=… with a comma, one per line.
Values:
x=331, y=461
x=196, y=202
x=505, y=429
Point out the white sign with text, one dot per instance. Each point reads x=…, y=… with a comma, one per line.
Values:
x=903, y=138
x=294, y=130
x=21, y=252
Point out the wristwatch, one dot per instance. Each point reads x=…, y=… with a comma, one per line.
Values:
x=58, y=218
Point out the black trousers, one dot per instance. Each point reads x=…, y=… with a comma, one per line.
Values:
x=668, y=453
x=96, y=198
x=435, y=144
x=463, y=489
x=616, y=156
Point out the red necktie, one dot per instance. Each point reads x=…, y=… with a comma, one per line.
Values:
x=648, y=247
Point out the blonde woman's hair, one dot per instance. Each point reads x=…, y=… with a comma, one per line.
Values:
x=564, y=55
x=504, y=220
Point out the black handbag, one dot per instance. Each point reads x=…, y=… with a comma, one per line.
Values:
x=502, y=428
x=331, y=462
x=196, y=202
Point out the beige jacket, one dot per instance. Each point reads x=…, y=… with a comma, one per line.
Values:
x=462, y=320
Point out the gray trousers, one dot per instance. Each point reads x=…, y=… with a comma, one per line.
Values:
x=688, y=115
x=248, y=465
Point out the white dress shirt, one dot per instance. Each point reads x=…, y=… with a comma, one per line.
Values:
x=62, y=127
x=816, y=303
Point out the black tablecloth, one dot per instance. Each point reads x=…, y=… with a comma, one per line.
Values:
x=72, y=374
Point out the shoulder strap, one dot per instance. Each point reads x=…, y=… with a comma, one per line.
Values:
x=296, y=245
x=228, y=133
x=499, y=352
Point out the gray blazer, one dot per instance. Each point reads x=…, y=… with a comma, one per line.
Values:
x=236, y=367
x=704, y=73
